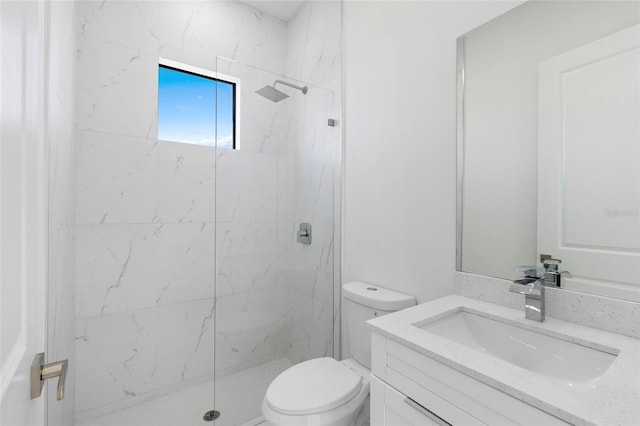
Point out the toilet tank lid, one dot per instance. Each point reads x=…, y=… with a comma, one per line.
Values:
x=376, y=297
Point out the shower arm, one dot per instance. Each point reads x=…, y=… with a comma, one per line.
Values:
x=303, y=89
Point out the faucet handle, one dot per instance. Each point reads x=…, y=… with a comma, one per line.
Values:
x=545, y=257
x=549, y=263
x=531, y=271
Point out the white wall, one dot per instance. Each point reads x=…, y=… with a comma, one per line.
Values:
x=314, y=56
x=400, y=141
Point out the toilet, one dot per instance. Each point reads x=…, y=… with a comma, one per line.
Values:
x=326, y=392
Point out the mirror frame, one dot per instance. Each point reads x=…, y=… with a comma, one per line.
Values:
x=459, y=146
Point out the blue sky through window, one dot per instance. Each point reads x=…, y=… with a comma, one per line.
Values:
x=188, y=109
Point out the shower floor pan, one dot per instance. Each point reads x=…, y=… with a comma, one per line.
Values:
x=238, y=396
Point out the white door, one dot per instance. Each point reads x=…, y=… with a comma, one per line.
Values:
x=589, y=164
x=22, y=209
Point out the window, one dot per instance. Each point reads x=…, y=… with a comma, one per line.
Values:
x=197, y=106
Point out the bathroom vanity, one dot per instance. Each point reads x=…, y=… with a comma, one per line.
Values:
x=462, y=361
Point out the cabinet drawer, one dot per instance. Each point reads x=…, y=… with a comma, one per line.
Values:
x=392, y=408
x=454, y=396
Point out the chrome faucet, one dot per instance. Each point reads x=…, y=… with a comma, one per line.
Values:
x=532, y=286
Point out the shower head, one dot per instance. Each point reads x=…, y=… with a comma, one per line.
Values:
x=271, y=93
x=275, y=95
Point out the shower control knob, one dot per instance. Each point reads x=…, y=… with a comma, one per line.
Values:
x=304, y=233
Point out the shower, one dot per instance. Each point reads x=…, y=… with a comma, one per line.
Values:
x=275, y=95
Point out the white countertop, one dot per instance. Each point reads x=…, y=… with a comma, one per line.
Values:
x=612, y=399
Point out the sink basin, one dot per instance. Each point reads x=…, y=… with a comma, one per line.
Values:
x=552, y=356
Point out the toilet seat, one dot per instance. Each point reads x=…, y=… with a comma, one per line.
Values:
x=312, y=387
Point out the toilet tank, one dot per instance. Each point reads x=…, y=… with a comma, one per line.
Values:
x=360, y=303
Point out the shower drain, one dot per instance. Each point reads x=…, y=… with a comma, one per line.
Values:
x=210, y=416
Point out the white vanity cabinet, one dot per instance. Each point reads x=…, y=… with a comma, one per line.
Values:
x=409, y=388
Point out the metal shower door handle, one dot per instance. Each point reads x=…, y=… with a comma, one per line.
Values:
x=41, y=372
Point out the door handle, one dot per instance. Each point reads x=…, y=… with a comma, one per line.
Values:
x=41, y=372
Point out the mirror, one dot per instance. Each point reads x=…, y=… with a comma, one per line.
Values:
x=549, y=145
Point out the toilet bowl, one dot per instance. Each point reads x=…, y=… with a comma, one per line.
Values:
x=326, y=392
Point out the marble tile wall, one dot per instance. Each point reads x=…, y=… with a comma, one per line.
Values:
x=296, y=313
x=262, y=270
x=61, y=136
x=286, y=287
x=314, y=55
x=281, y=292
x=310, y=281
x=152, y=216
x=251, y=316
x=314, y=45
x=145, y=209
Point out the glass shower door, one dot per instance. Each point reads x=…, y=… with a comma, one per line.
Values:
x=274, y=295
